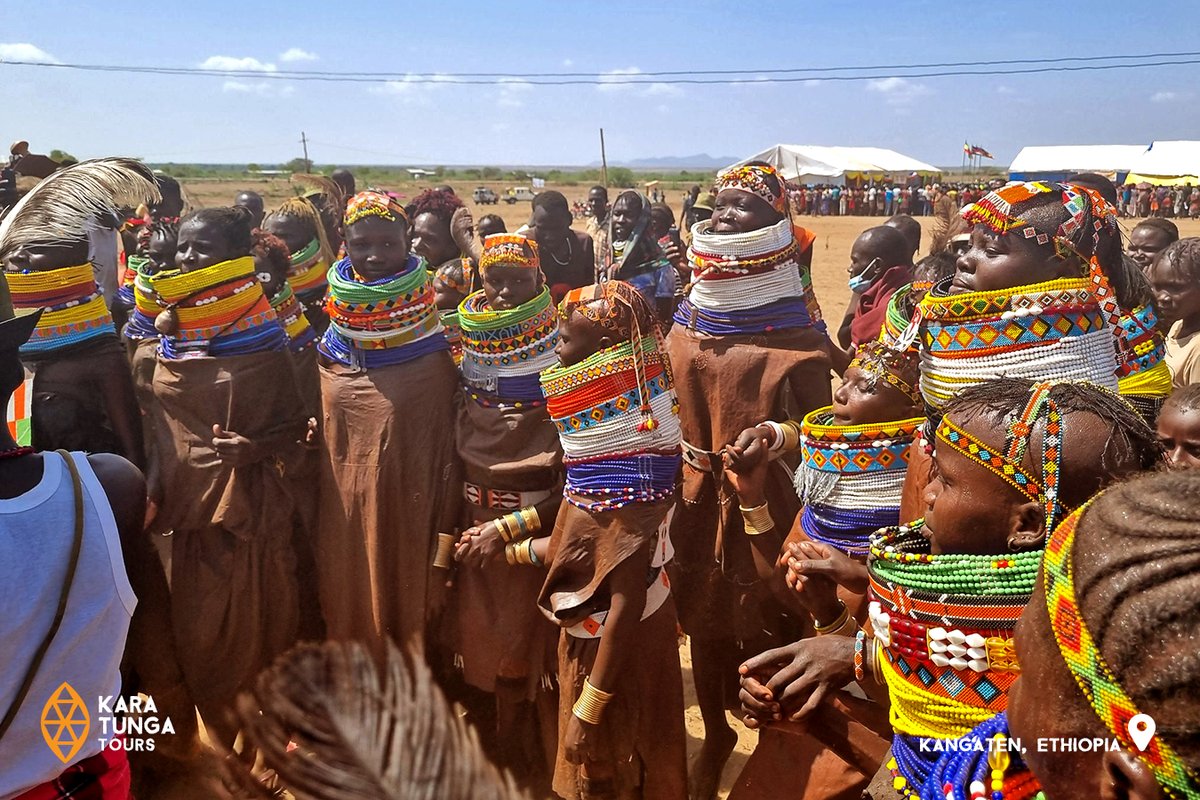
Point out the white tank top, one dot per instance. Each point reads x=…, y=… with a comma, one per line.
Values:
x=36, y=534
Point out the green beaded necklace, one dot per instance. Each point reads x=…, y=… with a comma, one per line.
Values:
x=899, y=555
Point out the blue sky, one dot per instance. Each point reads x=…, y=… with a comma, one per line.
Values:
x=213, y=119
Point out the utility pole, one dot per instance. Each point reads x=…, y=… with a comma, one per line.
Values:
x=304, y=144
x=603, y=161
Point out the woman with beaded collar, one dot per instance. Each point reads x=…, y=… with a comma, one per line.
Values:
x=853, y=458
x=1041, y=295
x=747, y=331
x=389, y=472
x=512, y=489
x=1011, y=458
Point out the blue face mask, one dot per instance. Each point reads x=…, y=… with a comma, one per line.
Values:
x=861, y=282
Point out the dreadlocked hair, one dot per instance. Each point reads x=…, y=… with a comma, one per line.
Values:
x=304, y=209
x=233, y=222
x=1184, y=399
x=876, y=358
x=1184, y=257
x=439, y=202
x=1130, y=445
x=272, y=250
x=1137, y=582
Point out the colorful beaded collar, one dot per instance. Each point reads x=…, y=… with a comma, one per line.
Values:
x=1087, y=665
x=74, y=308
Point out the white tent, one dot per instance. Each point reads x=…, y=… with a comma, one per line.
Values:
x=1057, y=162
x=1167, y=163
x=802, y=163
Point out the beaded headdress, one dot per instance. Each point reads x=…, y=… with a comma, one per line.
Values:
x=455, y=274
x=752, y=178
x=510, y=250
x=1009, y=463
x=898, y=368
x=372, y=203
x=1087, y=665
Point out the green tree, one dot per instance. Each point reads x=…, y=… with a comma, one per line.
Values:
x=491, y=173
x=297, y=165
x=63, y=157
x=253, y=168
x=621, y=177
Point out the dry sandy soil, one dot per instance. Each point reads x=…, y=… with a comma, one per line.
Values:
x=835, y=235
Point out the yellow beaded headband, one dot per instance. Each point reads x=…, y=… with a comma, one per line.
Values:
x=888, y=365
x=509, y=249
x=1087, y=665
x=373, y=204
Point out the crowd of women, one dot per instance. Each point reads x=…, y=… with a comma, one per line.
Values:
x=540, y=455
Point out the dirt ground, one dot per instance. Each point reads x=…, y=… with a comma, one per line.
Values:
x=835, y=235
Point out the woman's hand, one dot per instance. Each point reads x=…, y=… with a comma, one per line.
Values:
x=234, y=449
x=579, y=743
x=797, y=676
x=812, y=566
x=462, y=229
x=479, y=545
x=746, y=462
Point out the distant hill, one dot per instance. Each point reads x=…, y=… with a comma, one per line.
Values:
x=699, y=161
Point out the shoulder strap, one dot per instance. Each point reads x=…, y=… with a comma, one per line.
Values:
x=76, y=546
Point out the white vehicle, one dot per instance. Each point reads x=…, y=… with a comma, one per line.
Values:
x=516, y=193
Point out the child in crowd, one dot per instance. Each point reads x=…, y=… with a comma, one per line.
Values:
x=1175, y=277
x=1179, y=428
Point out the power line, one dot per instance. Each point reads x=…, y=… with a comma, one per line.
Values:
x=647, y=78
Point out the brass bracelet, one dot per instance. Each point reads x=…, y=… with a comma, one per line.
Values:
x=533, y=522
x=443, y=556
x=510, y=553
x=791, y=436
x=837, y=622
x=847, y=628
x=590, y=705
x=501, y=524
x=757, y=520
x=876, y=663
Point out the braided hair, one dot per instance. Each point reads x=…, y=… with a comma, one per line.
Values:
x=1131, y=445
x=1184, y=399
x=1184, y=257
x=1137, y=584
x=1160, y=224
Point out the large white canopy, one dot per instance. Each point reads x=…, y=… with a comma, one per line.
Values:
x=1168, y=162
x=804, y=163
x=1061, y=160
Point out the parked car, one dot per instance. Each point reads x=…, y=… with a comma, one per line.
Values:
x=516, y=193
x=485, y=196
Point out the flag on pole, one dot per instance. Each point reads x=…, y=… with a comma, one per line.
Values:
x=966, y=148
x=20, y=414
x=976, y=150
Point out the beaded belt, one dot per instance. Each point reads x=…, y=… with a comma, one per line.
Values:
x=701, y=460
x=502, y=499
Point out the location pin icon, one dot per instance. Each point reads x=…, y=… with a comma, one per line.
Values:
x=1141, y=730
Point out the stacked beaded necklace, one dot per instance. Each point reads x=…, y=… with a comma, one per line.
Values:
x=453, y=332
x=308, y=271
x=75, y=310
x=1099, y=685
x=944, y=623
x=504, y=351
x=1143, y=376
x=145, y=308
x=984, y=766
x=944, y=627
x=221, y=311
x=747, y=283
x=850, y=478
x=287, y=307
x=617, y=418
x=382, y=322
x=1053, y=329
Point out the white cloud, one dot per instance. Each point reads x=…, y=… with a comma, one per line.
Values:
x=511, y=90
x=898, y=91
x=567, y=62
x=811, y=82
x=413, y=88
x=296, y=54
x=247, y=64
x=264, y=88
x=662, y=90
x=24, y=51
x=611, y=81
x=1005, y=90
x=1163, y=97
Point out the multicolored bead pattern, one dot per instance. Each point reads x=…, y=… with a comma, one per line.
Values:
x=504, y=351
x=1096, y=680
x=74, y=308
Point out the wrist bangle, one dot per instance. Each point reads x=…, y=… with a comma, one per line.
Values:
x=876, y=666
x=847, y=628
x=534, y=561
x=860, y=639
x=757, y=520
x=776, y=434
x=510, y=553
x=501, y=524
x=445, y=546
x=838, y=621
x=791, y=436
x=533, y=522
x=590, y=705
